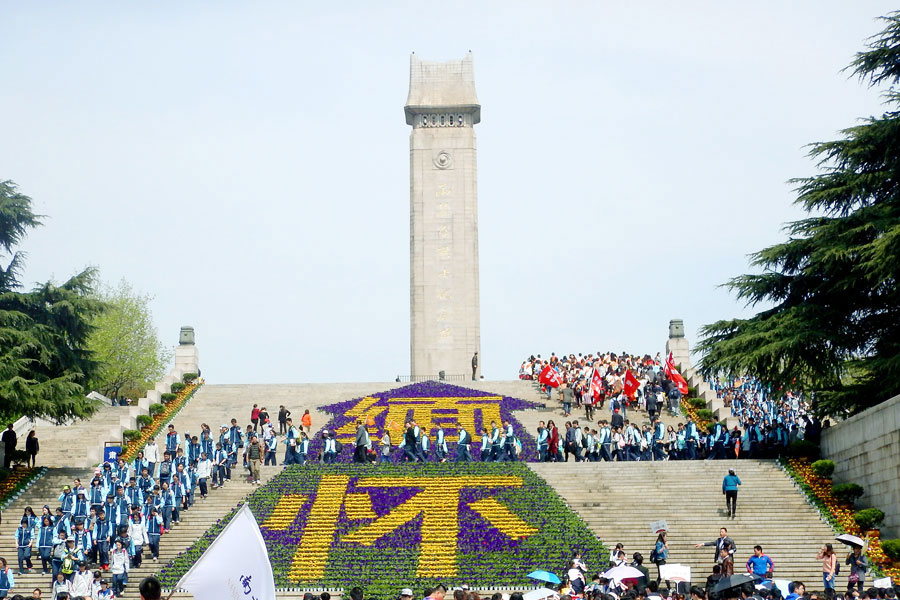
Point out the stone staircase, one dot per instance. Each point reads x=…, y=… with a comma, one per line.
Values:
x=618, y=501
x=80, y=442
x=687, y=494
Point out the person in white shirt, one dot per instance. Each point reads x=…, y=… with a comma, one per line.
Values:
x=82, y=580
x=204, y=470
x=151, y=455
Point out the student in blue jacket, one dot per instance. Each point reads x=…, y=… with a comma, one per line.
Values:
x=730, y=489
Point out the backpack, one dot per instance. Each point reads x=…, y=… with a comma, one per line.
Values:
x=68, y=565
x=165, y=469
x=653, y=556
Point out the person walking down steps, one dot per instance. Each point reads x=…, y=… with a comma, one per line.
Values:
x=730, y=489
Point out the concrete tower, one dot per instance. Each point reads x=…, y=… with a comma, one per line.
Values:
x=445, y=325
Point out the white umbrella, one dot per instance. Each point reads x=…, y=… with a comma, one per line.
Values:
x=850, y=540
x=541, y=594
x=623, y=572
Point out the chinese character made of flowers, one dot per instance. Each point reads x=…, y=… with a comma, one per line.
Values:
x=437, y=501
x=430, y=413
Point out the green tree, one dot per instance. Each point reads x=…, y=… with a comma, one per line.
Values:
x=125, y=343
x=833, y=328
x=44, y=360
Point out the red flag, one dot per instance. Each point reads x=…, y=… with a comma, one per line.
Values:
x=596, y=384
x=675, y=376
x=549, y=376
x=631, y=384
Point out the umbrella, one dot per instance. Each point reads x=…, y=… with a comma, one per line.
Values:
x=733, y=581
x=850, y=540
x=544, y=576
x=541, y=594
x=623, y=572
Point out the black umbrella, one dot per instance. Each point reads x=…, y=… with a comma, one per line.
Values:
x=733, y=581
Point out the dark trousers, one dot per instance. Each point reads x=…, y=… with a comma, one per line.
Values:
x=45, y=559
x=359, y=455
x=202, y=483
x=153, y=543
x=731, y=501
x=255, y=423
x=282, y=427
x=138, y=556
x=102, y=552
x=24, y=558
x=271, y=459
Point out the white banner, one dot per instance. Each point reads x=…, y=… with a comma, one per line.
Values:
x=884, y=582
x=659, y=526
x=675, y=572
x=236, y=565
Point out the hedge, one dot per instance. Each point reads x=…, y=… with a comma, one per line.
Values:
x=177, y=387
x=144, y=420
x=823, y=468
x=167, y=397
x=131, y=434
x=848, y=492
x=891, y=548
x=188, y=377
x=868, y=518
x=803, y=449
x=697, y=403
x=156, y=408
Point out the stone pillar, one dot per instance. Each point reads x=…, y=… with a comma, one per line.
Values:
x=678, y=344
x=445, y=325
x=187, y=360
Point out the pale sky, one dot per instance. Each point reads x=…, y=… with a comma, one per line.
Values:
x=247, y=164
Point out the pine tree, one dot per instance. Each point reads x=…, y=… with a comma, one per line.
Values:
x=834, y=327
x=44, y=360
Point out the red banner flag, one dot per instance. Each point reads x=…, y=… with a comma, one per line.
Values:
x=596, y=384
x=549, y=376
x=631, y=384
x=675, y=376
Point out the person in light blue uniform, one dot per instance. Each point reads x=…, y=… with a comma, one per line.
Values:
x=462, y=446
x=7, y=581
x=24, y=545
x=496, y=443
x=154, y=530
x=485, y=445
x=509, y=442
x=543, y=442
x=168, y=505
x=67, y=500
x=302, y=450
x=659, y=439
x=730, y=490
x=45, y=536
x=440, y=446
x=271, y=449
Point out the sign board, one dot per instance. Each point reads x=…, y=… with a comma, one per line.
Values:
x=111, y=453
x=884, y=582
x=659, y=526
x=675, y=572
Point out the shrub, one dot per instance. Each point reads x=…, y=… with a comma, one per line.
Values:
x=144, y=420
x=20, y=457
x=848, y=492
x=891, y=548
x=697, y=403
x=167, y=397
x=803, y=449
x=177, y=387
x=868, y=518
x=823, y=468
x=156, y=408
x=131, y=434
x=705, y=414
x=188, y=377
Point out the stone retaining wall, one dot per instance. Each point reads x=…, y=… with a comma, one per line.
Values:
x=866, y=450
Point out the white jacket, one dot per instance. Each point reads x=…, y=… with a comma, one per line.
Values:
x=81, y=583
x=118, y=562
x=151, y=454
x=203, y=468
x=138, y=533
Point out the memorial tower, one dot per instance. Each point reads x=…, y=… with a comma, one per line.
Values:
x=442, y=108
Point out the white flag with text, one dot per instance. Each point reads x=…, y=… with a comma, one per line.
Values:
x=235, y=566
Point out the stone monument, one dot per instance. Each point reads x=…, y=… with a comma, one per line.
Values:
x=442, y=108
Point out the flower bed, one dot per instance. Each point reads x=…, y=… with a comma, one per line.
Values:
x=839, y=514
x=159, y=421
x=391, y=526
x=431, y=404
x=688, y=410
x=17, y=482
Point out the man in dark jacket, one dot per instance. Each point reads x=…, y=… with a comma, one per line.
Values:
x=362, y=443
x=9, y=440
x=724, y=545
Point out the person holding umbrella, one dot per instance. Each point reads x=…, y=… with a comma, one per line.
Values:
x=859, y=564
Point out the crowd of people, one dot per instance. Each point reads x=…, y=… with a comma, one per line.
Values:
x=769, y=422
x=99, y=531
